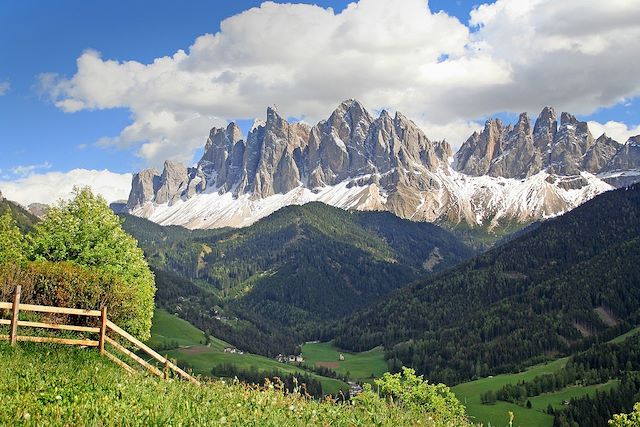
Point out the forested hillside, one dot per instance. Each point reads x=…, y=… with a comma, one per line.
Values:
x=546, y=293
x=299, y=267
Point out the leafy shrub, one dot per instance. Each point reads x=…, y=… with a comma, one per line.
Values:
x=417, y=395
x=86, y=232
x=65, y=284
x=627, y=420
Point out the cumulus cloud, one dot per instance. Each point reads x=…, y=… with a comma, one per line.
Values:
x=616, y=130
x=4, y=87
x=512, y=56
x=22, y=171
x=52, y=186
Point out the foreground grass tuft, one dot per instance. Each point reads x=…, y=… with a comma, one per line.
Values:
x=52, y=385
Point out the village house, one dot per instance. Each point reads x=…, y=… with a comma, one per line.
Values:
x=292, y=358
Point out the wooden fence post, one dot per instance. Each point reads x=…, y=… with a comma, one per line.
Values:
x=14, y=315
x=166, y=369
x=103, y=328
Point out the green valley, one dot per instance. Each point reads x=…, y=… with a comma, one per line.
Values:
x=358, y=366
x=180, y=340
x=291, y=274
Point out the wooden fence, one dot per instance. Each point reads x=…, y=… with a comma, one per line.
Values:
x=105, y=326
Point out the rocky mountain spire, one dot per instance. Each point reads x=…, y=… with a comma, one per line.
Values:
x=354, y=160
x=521, y=152
x=627, y=157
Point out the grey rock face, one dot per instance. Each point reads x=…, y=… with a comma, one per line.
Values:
x=476, y=155
x=521, y=152
x=173, y=182
x=278, y=156
x=37, y=209
x=627, y=157
x=144, y=186
x=600, y=154
x=519, y=158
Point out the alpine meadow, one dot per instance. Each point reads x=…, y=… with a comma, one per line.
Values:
x=320, y=213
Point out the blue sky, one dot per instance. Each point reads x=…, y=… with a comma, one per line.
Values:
x=48, y=37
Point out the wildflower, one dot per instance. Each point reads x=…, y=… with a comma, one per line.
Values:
x=26, y=416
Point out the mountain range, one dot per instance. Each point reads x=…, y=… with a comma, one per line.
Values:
x=503, y=175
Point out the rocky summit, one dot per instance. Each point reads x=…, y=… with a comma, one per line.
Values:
x=501, y=175
x=521, y=151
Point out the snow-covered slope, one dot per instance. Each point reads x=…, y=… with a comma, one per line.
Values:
x=480, y=201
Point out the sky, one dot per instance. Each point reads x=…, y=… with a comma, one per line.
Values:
x=92, y=91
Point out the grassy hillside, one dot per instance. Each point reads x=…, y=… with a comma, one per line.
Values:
x=169, y=331
x=470, y=393
x=544, y=294
x=360, y=366
x=184, y=342
x=50, y=385
x=498, y=414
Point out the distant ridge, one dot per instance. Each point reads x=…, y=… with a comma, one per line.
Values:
x=504, y=175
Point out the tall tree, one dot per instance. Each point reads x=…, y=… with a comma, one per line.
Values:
x=85, y=230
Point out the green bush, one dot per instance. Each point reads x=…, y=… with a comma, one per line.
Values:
x=417, y=395
x=65, y=284
x=86, y=232
x=627, y=420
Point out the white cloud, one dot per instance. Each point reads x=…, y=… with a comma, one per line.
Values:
x=22, y=171
x=4, y=87
x=52, y=186
x=616, y=130
x=454, y=132
x=515, y=56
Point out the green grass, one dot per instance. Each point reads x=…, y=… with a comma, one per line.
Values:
x=556, y=399
x=54, y=385
x=623, y=337
x=359, y=366
x=202, y=359
x=469, y=394
x=168, y=330
x=187, y=342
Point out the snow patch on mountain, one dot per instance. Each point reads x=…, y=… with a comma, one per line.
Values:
x=484, y=200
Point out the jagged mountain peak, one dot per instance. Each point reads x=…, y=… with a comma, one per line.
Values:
x=519, y=152
x=504, y=173
x=634, y=140
x=523, y=123
x=567, y=119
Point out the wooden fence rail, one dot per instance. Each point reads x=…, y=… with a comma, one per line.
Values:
x=105, y=326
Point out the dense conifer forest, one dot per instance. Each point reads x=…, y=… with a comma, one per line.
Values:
x=267, y=287
x=546, y=293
